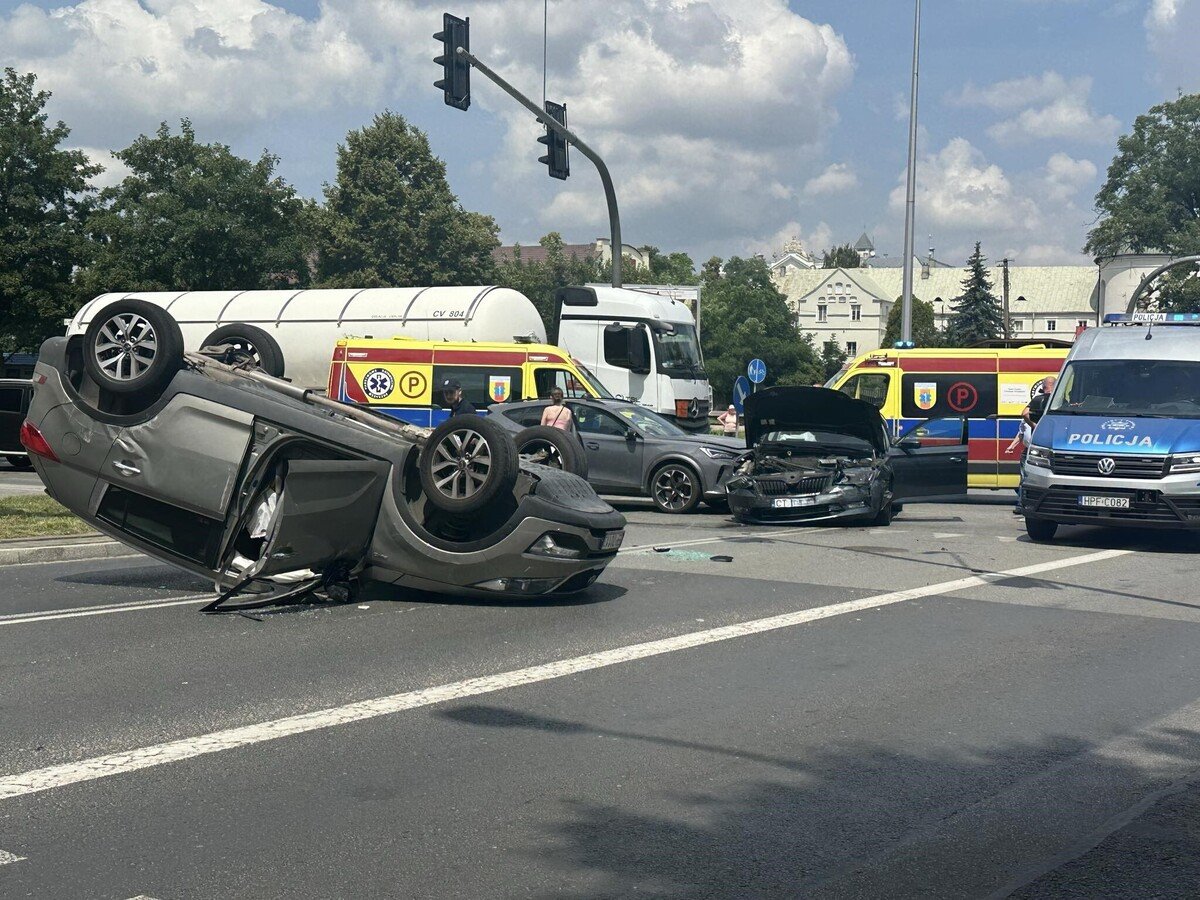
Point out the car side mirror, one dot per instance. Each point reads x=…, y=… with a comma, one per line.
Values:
x=909, y=443
x=630, y=435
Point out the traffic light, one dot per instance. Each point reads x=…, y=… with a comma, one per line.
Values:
x=456, y=71
x=556, y=145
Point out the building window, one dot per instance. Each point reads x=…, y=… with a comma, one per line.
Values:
x=852, y=349
x=1052, y=324
x=1082, y=323
x=1017, y=325
x=822, y=312
x=855, y=313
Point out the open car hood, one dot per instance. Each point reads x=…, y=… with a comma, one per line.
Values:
x=812, y=409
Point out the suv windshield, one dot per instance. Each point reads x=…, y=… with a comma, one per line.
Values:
x=1129, y=387
x=648, y=422
x=678, y=352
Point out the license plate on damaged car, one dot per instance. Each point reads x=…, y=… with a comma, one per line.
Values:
x=792, y=502
x=612, y=540
x=1104, y=502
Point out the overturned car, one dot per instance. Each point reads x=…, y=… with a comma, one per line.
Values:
x=818, y=455
x=204, y=461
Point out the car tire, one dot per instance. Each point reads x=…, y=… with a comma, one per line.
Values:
x=884, y=517
x=466, y=463
x=1040, y=530
x=675, y=488
x=132, y=347
x=562, y=448
x=19, y=462
x=255, y=343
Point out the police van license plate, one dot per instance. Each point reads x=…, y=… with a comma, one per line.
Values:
x=792, y=502
x=1104, y=502
x=612, y=540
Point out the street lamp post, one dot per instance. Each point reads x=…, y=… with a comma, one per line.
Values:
x=910, y=202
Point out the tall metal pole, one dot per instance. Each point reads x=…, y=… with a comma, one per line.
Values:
x=910, y=203
x=1007, y=320
x=610, y=193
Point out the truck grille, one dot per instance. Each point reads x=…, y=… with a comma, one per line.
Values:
x=777, y=487
x=1087, y=464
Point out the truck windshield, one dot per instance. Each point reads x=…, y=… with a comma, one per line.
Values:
x=678, y=352
x=1129, y=387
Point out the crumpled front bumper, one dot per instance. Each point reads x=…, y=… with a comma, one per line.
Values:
x=748, y=504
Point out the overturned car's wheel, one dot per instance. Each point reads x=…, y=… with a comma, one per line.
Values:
x=253, y=343
x=466, y=463
x=675, y=488
x=132, y=347
x=553, y=447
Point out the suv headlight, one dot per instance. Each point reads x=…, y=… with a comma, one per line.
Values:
x=1185, y=462
x=1039, y=457
x=714, y=453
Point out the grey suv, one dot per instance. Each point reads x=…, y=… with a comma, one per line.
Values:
x=204, y=461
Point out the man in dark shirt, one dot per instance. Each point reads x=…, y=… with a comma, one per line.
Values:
x=452, y=396
x=1037, y=406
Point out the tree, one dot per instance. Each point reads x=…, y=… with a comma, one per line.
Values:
x=1151, y=197
x=391, y=220
x=976, y=316
x=538, y=280
x=745, y=317
x=193, y=216
x=843, y=257
x=672, y=268
x=924, y=331
x=832, y=359
x=44, y=199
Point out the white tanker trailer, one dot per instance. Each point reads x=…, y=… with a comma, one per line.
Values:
x=641, y=345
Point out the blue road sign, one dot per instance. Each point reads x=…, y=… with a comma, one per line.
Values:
x=741, y=390
x=757, y=370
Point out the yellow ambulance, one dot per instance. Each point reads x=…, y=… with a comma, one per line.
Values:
x=399, y=376
x=987, y=387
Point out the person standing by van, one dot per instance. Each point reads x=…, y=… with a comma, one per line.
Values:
x=557, y=415
x=1037, y=406
x=452, y=396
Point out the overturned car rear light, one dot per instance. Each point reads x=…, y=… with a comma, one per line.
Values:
x=32, y=440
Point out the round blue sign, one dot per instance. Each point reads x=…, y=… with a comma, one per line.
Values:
x=741, y=390
x=757, y=370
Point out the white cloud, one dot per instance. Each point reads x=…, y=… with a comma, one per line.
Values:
x=1046, y=106
x=1065, y=176
x=1171, y=28
x=816, y=240
x=114, y=169
x=836, y=179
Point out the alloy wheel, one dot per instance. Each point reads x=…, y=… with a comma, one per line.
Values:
x=673, y=488
x=126, y=347
x=462, y=464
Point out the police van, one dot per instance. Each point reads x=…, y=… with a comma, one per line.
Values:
x=1119, y=443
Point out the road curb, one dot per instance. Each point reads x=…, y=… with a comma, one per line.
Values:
x=66, y=550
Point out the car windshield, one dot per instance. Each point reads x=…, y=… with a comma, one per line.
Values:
x=1129, y=387
x=595, y=382
x=679, y=352
x=829, y=440
x=649, y=422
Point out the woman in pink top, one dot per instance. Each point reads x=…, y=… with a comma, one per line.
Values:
x=556, y=415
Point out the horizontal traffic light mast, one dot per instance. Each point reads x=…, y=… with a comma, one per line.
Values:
x=457, y=88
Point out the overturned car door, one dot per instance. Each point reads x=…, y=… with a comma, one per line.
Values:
x=929, y=461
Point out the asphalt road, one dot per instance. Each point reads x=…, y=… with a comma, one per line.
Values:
x=18, y=481
x=935, y=709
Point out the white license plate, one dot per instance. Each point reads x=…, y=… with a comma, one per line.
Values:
x=612, y=540
x=1104, y=502
x=793, y=502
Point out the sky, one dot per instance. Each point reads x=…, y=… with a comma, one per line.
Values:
x=729, y=126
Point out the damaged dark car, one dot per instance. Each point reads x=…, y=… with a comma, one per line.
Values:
x=816, y=455
x=274, y=492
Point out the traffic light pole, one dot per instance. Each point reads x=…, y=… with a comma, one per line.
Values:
x=610, y=194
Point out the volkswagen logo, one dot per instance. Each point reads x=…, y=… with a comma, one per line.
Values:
x=1106, y=465
x=1118, y=425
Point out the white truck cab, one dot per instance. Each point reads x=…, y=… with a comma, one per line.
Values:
x=643, y=346
x=1119, y=443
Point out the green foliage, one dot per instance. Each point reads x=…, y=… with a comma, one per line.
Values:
x=391, y=220
x=924, y=331
x=44, y=200
x=538, y=280
x=832, y=359
x=672, y=268
x=745, y=317
x=194, y=216
x=843, y=257
x=977, y=316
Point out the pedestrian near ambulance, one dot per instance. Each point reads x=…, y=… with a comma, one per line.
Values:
x=729, y=421
x=557, y=415
x=452, y=396
x=1037, y=406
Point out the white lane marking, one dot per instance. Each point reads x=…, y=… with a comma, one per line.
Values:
x=82, y=559
x=80, y=611
x=6, y=858
x=944, y=535
x=38, y=780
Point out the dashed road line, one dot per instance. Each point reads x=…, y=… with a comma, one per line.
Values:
x=6, y=858
x=105, y=609
x=38, y=780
